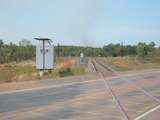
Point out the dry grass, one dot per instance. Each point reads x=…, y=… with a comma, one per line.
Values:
x=26, y=70
x=129, y=63
x=9, y=73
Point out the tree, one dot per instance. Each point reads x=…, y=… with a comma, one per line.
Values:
x=145, y=50
x=141, y=49
x=1, y=43
x=151, y=46
x=25, y=42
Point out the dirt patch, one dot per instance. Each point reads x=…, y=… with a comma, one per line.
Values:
x=67, y=63
x=120, y=63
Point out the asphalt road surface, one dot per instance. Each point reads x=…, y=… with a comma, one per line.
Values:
x=138, y=94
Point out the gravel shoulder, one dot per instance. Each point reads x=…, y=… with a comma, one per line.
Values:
x=5, y=87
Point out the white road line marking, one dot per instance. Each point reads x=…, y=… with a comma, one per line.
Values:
x=47, y=87
x=147, y=113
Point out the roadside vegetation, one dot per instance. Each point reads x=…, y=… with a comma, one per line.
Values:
x=15, y=72
x=147, y=57
x=130, y=63
x=17, y=62
x=26, y=51
x=26, y=71
x=66, y=66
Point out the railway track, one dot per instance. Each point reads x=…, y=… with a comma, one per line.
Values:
x=115, y=99
x=104, y=71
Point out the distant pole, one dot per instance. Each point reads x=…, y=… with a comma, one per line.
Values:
x=58, y=50
x=92, y=52
x=122, y=54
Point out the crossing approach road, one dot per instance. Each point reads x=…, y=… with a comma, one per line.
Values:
x=138, y=97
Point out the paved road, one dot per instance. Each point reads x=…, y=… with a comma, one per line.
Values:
x=84, y=101
x=155, y=115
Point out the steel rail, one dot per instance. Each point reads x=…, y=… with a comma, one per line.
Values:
x=115, y=99
x=136, y=86
x=143, y=90
x=106, y=67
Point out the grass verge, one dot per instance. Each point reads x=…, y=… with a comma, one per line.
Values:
x=129, y=63
x=19, y=72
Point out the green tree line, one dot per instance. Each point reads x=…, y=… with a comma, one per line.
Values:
x=141, y=49
x=12, y=52
x=25, y=51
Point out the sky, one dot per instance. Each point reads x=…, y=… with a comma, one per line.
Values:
x=81, y=22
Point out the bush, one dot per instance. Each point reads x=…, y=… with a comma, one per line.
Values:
x=65, y=72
